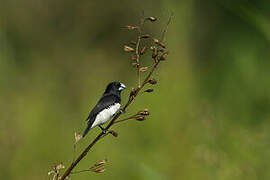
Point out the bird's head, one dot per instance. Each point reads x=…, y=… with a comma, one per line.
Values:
x=115, y=87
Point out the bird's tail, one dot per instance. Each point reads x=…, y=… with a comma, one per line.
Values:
x=86, y=130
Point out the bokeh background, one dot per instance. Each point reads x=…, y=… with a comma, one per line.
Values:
x=209, y=111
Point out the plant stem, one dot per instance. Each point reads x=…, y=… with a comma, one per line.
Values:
x=76, y=172
x=121, y=120
x=140, y=29
x=100, y=135
x=138, y=57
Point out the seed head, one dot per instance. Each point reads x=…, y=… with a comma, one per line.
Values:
x=128, y=49
x=152, y=81
x=130, y=27
x=133, y=42
x=162, y=44
x=149, y=90
x=101, y=162
x=143, y=69
x=135, y=64
x=115, y=134
x=133, y=57
x=144, y=112
x=77, y=137
x=60, y=166
x=145, y=36
x=99, y=170
x=140, y=118
x=152, y=19
x=155, y=40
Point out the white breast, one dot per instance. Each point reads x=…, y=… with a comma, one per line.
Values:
x=106, y=114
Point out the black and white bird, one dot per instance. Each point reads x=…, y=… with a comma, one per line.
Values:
x=107, y=106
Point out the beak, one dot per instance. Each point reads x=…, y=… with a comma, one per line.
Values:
x=122, y=87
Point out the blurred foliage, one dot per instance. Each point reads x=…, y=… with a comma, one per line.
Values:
x=209, y=111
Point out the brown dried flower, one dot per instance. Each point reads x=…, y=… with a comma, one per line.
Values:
x=144, y=112
x=143, y=69
x=155, y=40
x=130, y=27
x=101, y=162
x=128, y=49
x=152, y=19
x=77, y=137
x=133, y=42
x=140, y=118
x=152, y=81
x=100, y=169
x=133, y=57
x=162, y=44
x=149, y=90
x=145, y=36
x=135, y=64
x=115, y=134
x=60, y=166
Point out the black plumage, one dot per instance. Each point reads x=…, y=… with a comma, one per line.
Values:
x=111, y=97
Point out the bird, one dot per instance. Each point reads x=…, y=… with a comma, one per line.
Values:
x=107, y=106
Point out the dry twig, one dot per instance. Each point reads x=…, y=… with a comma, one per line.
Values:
x=158, y=54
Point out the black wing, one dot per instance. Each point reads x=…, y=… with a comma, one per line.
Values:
x=105, y=101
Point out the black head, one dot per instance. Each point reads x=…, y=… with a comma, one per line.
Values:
x=115, y=87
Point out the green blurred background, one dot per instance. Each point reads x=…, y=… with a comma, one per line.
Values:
x=209, y=111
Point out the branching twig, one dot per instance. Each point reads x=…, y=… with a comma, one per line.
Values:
x=121, y=120
x=166, y=28
x=134, y=92
x=140, y=28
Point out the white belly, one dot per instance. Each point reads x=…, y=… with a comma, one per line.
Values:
x=106, y=114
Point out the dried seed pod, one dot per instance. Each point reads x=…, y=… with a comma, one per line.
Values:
x=135, y=64
x=140, y=118
x=152, y=81
x=143, y=50
x=128, y=49
x=133, y=57
x=162, y=44
x=101, y=162
x=155, y=40
x=60, y=166
x=143, y=69
x=145, y=36
x=133, y=42
x=77, y=137
x=115, y=134
x=99, y=169
x=152, y=19
x=130, y=27
x=144, y=112
x=149, y=90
